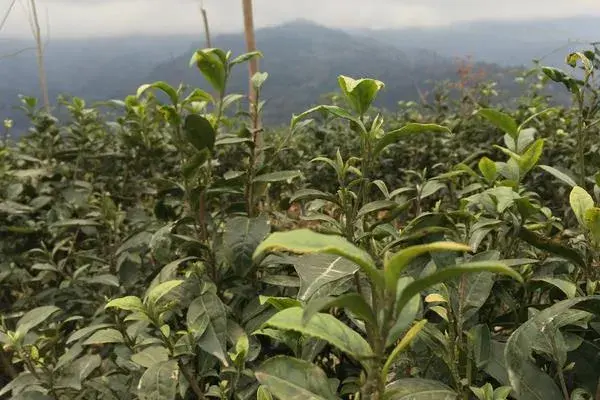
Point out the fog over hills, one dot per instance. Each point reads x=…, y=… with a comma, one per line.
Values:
x=302, y=58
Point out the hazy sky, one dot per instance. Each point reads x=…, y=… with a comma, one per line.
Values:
x=76, y=18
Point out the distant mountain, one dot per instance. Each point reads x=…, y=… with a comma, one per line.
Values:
x=303, y=60
x=507, y=43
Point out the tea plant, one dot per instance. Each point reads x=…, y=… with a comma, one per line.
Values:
x=160, y=250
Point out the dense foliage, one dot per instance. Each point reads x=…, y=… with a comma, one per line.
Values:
x=446, y=250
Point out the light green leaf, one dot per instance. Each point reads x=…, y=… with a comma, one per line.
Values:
x=207, y=320
x=160, y=290
x=280, y=303
x=531, y=156
x=360, y=93
x=159, y=382
x=335, y=110
x=418, y=389
x=150, y=356
x=212, y=63
x=163, y=86
x=278, y=176
x=488, y=169
x=559, y=175
x=500, y=120
x=68, y=223
x=407, y=130
x=580, y=201
x=397, y=263
x=294, y=379
x=592, y=223
x=33, y=318
x=246, y=57
x=325, y=327
x=303, y=241
x=128, y=303
x=403, y=344
x=103, y=336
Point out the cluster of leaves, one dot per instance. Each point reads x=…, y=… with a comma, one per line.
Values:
x=181, y=251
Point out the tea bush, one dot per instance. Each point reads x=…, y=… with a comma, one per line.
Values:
x=180, y=251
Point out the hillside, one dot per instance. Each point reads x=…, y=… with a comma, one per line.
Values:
x=307, y=58
x=507, y=43
x=299, y=55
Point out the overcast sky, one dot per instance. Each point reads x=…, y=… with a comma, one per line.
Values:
x=77, y=18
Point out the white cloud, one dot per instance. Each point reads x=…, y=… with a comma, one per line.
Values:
x=81, y=18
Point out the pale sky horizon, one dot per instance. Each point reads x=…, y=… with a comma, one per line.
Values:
x=90, y=18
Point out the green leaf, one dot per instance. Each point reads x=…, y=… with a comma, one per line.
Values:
x=531, y=156
x=163, y=86
x=418, y=389
x=280, y=303
x=407, y=130
x=128, y=303
x=480, y=340
x=78, y=371
x=159, y=382
x=501, y=120
x=539, y=333
x=208, y=313
x=559, y=175
x=33, y=318
x=159, y=291
x=317, y=270
x=592, y=223
x=375, y=206
x=360, y=93
x=294, y=379
x=263, y=393
x=241, y=237
x=453, y=272
x=312, y=194
x=403, y=344
x=335, y=110
x=199, y=132
x=354, y=302
x=150, y=356
x=580, y=201
x=568, y=288
x=259, y=79
x=325, y=327
x=278, y=176
x=212, y=63
x=302, y=241
x=397, y=263
x=488, y=169
x=404, y=314
x=68, y=223
x=103, y=336
x=245, y=57
x=86, y=331
x=552, y=246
